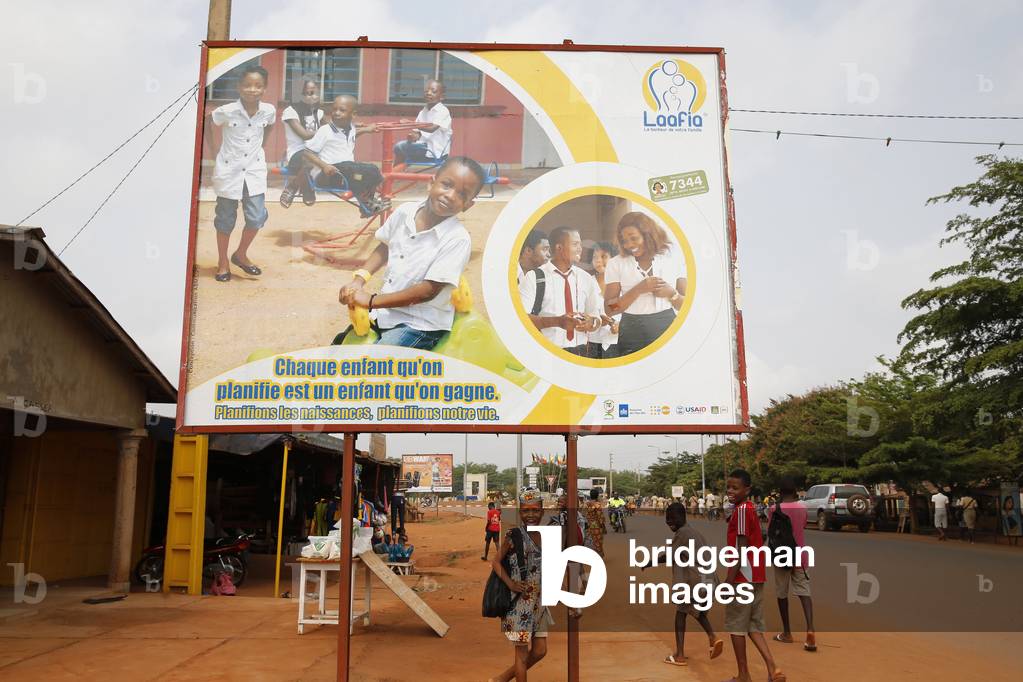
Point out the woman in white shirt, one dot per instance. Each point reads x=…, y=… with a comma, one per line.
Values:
x=645, y=282
x=603, y=343
x=301, y=121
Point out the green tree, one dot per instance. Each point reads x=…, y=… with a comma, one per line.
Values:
x=968, y=330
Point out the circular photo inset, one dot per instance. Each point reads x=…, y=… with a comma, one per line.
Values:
x=601, y=277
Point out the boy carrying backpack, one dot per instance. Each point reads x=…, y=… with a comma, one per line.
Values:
x=786, y=521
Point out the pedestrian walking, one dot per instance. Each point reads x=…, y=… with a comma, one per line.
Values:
x=675, y=518
x=527, y=622
x=794, y=579
x=939, y=505
x=747, y=620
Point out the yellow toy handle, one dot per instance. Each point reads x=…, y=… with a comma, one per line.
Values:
x=461, y=296
x=360, y=319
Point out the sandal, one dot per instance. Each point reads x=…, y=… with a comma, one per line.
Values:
x=782, y=638
x=287, y=196
x=223, y=276
x=247, y=269
x=811, y=642
x=778, y=676
x=308, y=196
x=716, y=648
x=671, y=660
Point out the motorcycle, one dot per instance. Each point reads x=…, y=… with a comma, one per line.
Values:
x=222, y=555
x=618, y=520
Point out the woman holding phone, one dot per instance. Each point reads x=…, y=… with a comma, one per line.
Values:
x=645, y=282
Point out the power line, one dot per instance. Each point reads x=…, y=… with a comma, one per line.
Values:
x=126, y=176
x=944, y=117
x=116, y=149
x=887, y=140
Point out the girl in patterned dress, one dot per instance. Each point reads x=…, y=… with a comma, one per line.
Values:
x=526, y=623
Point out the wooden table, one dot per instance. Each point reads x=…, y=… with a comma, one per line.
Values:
x=322, y=616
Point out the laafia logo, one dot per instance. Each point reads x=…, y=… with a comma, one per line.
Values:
x=674, y=91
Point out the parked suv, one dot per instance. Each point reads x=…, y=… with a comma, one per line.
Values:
x=834, y=505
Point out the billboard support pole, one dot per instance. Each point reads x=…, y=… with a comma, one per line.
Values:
x=344, y=604
x=465, y=477
x=572, y=471
x=218, y=26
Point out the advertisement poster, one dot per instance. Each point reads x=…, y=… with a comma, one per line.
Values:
x=427, y=473
x=1008, y=510
x=388, y=238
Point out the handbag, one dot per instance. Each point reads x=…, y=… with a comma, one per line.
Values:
x=498, y=599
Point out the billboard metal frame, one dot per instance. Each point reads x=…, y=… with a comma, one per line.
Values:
x=372, y=427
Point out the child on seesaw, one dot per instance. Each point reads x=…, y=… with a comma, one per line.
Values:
x=425, y=248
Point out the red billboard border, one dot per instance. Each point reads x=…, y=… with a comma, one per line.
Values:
x=370, y=427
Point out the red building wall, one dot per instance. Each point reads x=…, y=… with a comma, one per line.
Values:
x=489, y=132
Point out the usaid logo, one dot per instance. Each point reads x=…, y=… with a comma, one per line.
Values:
x=674, y=91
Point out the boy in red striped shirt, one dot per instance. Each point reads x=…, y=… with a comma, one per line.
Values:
x=747, y=619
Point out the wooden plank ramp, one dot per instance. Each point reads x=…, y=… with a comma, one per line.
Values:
x=404, y=593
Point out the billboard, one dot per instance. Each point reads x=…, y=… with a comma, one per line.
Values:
x=427, y=473
x=399, y=237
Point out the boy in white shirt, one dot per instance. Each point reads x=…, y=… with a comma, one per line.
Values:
x=536, y=251
x=432, y=139
x=425, y=248
x=571, y=305
x=239, y=174
x=332, y=151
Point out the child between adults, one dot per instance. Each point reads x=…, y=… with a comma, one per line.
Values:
x=645, y=282
x=675, y=518
x=301, y=119
x=332, y=151
x=526, y=623
x=239, y=174
x=425, y=248
x=742, y=620
x=432, y=138
x=570, y=306
x=603, y=343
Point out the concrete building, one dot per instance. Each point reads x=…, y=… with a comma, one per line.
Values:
x=76, y=469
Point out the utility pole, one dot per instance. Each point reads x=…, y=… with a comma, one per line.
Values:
x=518, y=465
x=219, y=24
x=610, y=473
x=703, y=471
x=465, y=479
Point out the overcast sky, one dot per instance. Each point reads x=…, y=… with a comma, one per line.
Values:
x=832, y=234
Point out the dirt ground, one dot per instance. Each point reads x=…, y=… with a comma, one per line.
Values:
x=177, y=637
x=293, y=304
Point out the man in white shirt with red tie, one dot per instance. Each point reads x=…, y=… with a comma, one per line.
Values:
x=571, y=304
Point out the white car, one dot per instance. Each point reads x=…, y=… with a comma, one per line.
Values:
x=834, y=505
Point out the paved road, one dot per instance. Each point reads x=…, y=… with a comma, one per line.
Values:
x=872, y=581
x=917, y=583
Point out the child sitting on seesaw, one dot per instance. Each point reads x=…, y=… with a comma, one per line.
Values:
x=332, y=151
x=425, y=248
x=432, y=138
